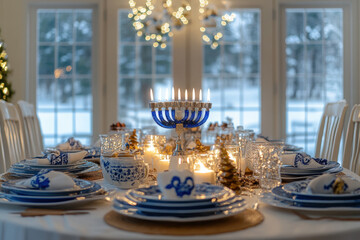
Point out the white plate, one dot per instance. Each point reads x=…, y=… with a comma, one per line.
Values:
x=203, y=192
x=272, y=201
x=35, y=165
x=133, y=213
x=291, y=169
x=125, y=204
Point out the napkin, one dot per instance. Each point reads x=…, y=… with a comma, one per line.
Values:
x=330, y=184
x=58, y=158
x=47, y=179
x=70, y=144
x=302, y=160
x=176, y=184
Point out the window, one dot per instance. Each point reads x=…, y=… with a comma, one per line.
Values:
x=141, y=67
x=314, y=70
x=64, y=74
x=232, y=71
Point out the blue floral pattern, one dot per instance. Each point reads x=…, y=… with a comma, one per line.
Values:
x=125, y=173
x=41, y=181
x=74, y=144
x=181, y=188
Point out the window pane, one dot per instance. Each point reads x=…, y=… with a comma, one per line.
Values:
x=64, y=89
x=232, y=71
x=314, y=67
x=141, y=67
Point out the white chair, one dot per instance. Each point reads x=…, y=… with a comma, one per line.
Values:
x=2, y=154
x=31, y=129
x=12, y=133
x=330, y=130
x=351, y=157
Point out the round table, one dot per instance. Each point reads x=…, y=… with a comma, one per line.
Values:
x=278, y=224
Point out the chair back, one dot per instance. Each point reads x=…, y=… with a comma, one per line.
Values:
x=330, y=130
x=2, y=154
x=31, y=129
x=351, y=157
x=12, y=133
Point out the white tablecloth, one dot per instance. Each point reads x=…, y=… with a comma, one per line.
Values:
x=278, y=224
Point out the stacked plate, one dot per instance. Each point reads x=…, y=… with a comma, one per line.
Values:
x=83, y=191
x=294, y=196
x=293, y=173
x=210, y=202
x=27, y=169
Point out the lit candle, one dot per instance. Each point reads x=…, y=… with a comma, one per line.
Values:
x=193, y=95
x=179, y=94
x=204, y=175
x=200, y=95
x=160, y=93
x=173, y=94
x=208, y=95
x=167, y=95
x=163, y=164
x=151, y=95
x=149, y=152
x=186, y=95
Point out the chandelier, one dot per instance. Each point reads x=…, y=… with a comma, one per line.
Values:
x=156, y=23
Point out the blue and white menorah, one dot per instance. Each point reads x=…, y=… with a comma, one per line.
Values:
x=180, y=114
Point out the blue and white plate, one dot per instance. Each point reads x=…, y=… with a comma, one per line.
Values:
x=125, y=203
x=35, y=165
x=298, y=189
x=216, y=201
x=272, y=200
x=135, y=213
x=80, y=185
x=203, y=192
x=51, y=198
x=291, y=169
x=281, y=194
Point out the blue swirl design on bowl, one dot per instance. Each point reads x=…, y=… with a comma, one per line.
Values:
x=125, y=173
x=181, y=188
x=41, y=181
x=305, y=160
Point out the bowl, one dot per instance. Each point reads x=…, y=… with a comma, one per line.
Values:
x=124, y=171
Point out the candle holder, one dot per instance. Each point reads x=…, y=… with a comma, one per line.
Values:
x=180, y=115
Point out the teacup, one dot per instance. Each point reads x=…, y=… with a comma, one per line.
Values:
x=124, y=171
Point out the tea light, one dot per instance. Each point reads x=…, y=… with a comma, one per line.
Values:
x=162, y=165
x=149, y=153
x=204, y=175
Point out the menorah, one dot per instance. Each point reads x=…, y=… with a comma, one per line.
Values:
x=180, y=114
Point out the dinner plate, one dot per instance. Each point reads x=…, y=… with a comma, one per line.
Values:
x=35, y=165
x=134, y=213
x=80, y=185
x=298, y=189
x=271, y=200
x=280, y=193
x=79, y=200
x=125, y=203
x=51, y=198
x=203, y=192
x=291, y=169
x=226, y=197
x=291, y=148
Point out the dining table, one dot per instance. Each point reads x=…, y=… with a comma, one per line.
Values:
x=278, y=224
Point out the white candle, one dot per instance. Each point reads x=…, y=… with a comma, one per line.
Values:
x=193, y=95
x=167, y=95
x=160, y=93
x=179, y=94
x=151, y=95
x=200, y=95
x=208, y=95
x=149, y=153
x=204, y=175
x=186, y=95
x=162, y=165
x=173, y=94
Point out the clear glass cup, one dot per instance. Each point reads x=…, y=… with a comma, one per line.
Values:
x=113, y=143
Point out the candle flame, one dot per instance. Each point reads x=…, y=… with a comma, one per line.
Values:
x=173, y=94
x=208, y=95
x=160, y=93
x=203, y=168
x=167, y=95
x=193, y=95
x=151, y=95
x=179, y=94
x=186, y=95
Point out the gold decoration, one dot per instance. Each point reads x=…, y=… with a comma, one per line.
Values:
x=228, y=175
x=200, y=147
x=133, y=142
x=338, y=186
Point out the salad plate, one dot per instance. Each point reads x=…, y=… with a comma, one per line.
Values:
x=134, y=213
x=80, y=186
x=203, y=192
